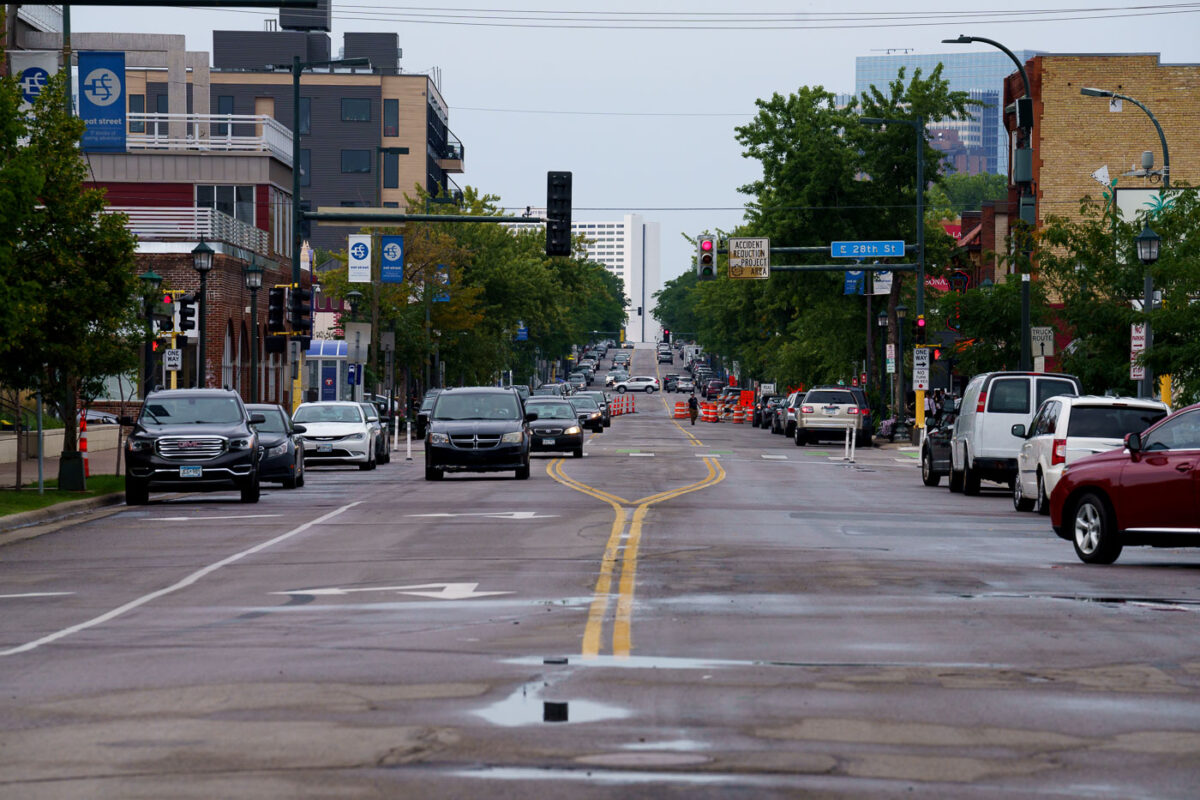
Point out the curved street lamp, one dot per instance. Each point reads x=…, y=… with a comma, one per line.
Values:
x=202, y=262
x=254, y=280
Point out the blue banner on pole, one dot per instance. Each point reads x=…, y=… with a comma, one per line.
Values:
x=391, y=259
x=854, y=281
x=102, y=101
x=441, y=282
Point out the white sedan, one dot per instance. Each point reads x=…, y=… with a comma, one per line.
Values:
x=336, y=433
x=638, y=383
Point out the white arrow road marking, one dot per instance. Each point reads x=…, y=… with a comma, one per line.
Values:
x=35, y=594
x=775, y=458
x=492, y=514
x=203, y=519
x=447, y=591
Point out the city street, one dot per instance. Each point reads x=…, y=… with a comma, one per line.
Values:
x=703, y=611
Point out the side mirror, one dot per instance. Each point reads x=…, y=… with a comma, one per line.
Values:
x=1018, y=431
x=128, y=420
x=530, y=416
x=1133, y=442
x=257, y=419
x=299, y=429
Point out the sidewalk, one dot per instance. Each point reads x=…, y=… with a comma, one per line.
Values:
x=102, y=458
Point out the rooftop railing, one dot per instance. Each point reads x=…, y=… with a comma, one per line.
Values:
x=156, y=223
x=210, y=133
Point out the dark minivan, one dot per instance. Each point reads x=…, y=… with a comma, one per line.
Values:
x=477, y=429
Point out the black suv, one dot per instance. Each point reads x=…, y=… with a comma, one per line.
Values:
x=477, y=429
x=196, y=440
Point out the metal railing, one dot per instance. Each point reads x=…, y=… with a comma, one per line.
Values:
x=454, y=149
x=155, y=223
x=210, y=133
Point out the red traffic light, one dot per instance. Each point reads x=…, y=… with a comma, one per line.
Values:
x=167, y=298
x=706, y=245
x=937, y=354
x=920, y=322
x=154, y=346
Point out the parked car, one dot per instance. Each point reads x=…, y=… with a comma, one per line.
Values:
x=983, y=447
x=383, y=452
x=554, y=427
x=771, y=412
x=1066, y=429
x=478, y=429
x=787, y=417
x=759, y=418
x=669, y=380
x=828, y=414
x=281, y=444
x=195, y=440
x=589, y=412
x=423, y=412
x=337, y=432
x=1141, y=495
x=605, y=408
x=712, y=388
x=935, y=450
x=637, y=383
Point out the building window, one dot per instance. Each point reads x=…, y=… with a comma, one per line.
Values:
x=391, y=170
x=305, y=167
x=391, y=117
x=224, y=106
x=161, y=106
x=356, y=109
x=233, y=201
x=305, y=116
x=356, y=161
x=137, y=105
x=389, y=204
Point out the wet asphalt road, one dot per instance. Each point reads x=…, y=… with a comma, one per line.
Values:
x=716, y=613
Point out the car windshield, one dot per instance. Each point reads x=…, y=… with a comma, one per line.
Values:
x=427, y=403
x=584, y=403
x=192, y=410
x=274, y=423
x=1107, y=422
x=551, y=410
x=829, y=397
x=451, y=407
x=327, y=413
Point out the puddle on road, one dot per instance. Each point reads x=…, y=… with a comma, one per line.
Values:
x=526, y=706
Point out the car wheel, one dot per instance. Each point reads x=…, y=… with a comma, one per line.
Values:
x=369, y=465
x=290, y=482
x=621, y=389
x=1020, y=501
x=300, y=474
x=955, y=484
x=608, y=423
x=1041, y=504
x=801, y=439
x=599, y=428
x=1095, y=538
x=649, y=389
x=523, y=471
x=789, y=430
x=577, y=452
x=137, y=493
x=928, y=476
x=970, y=480
x=250, y=493
x=433, y=474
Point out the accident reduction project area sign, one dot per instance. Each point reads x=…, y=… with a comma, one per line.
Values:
x=750, y=258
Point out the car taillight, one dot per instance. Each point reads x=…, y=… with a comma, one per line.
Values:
x=852, y=410
x=1058, y=455
x=806, y=409
x=982, y=401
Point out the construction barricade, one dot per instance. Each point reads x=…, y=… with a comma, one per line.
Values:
x=708, y=412
x=739, y=415
x=681, y=410
x=83, y=443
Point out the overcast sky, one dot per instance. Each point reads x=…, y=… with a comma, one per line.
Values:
x=639, y=98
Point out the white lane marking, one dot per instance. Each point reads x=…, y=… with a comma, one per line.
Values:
x=911, y=461
x=774, y=458
x=492, y=514
x=34, y=594
x=188, y=581
x=641, y=455
x=446, y=591
x=204, y=519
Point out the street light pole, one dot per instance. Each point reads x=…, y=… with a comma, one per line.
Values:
x=254, y=279
x=1146, y=387
x=202, y=262
x=152, y=280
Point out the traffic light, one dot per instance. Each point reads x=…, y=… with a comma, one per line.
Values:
x=300, y=311
x=921, y=329
x=275, y=344
x=937, y=354
x=187, y=312
x=276, y=314
x=558, y=213
x=706, y=257
x=162, y=311
x=954, y=318
x=666, y=336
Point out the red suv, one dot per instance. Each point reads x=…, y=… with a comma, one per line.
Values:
x=1144, y=494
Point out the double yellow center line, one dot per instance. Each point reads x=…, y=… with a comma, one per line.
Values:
x=602, y=596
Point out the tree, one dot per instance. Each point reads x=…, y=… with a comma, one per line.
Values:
x=956, y=193
x=84, y=320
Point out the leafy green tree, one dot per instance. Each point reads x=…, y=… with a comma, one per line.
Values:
x=956, y=193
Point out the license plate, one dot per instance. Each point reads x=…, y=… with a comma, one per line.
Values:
x=547, y=441
x=831, y=411
x=191, y=472
x=324, y=448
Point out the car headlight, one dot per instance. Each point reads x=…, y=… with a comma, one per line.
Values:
x=277, y=450
x=137, y=445
x=516, y=437
x=244, y=443
x=571, y=431
x=439, y=438
x=354, y=437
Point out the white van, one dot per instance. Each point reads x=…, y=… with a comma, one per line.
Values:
x=982, y=446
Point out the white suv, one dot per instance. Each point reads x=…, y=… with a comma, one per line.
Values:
x=1068, y=428
x=638, y=383
x=982, y=445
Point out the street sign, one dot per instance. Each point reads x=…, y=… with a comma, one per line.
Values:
x=920, y=379
x=358, y=252
x=921, y=357
x=891, y=351
x=750, y=258
x=1137, y=344
x=876, y=249
x=1042, y=340
x=891, y=365
x=358, y=340
x=173, y=360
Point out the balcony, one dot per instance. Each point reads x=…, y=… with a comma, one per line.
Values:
x=158, y=224
x=451, y=157
x=230, y=133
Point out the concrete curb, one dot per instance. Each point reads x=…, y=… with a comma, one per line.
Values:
x=58, y=511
